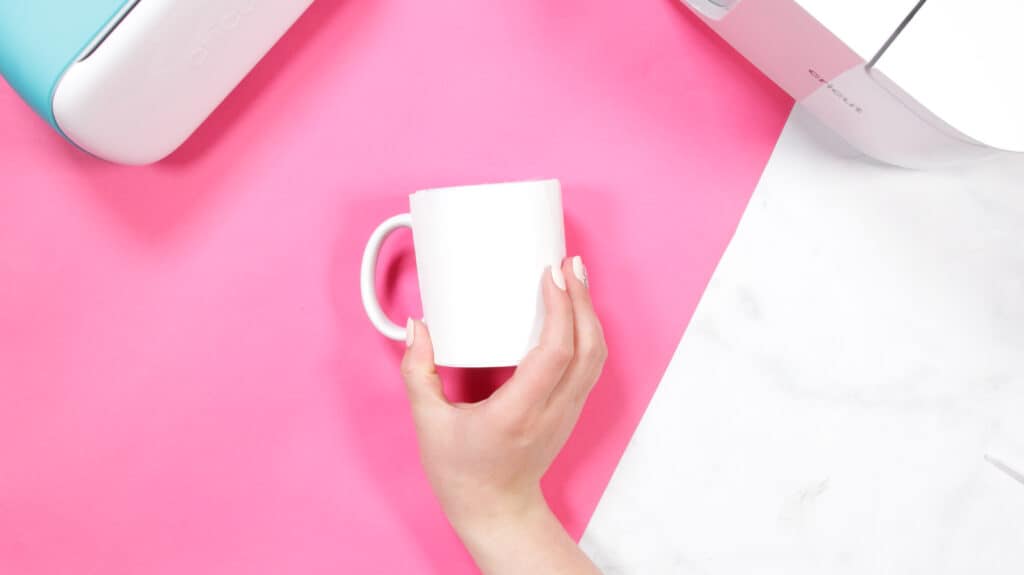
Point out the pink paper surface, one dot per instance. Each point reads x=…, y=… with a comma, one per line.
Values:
x=188, y=383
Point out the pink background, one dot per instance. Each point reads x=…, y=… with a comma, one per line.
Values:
x=188, y=383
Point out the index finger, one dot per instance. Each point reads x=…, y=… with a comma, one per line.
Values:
x=543, y=367
x=591, y=349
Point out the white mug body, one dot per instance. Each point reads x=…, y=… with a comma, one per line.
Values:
x=481, y=255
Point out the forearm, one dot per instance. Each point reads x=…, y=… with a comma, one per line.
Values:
x=531, y=541
x=485, y=460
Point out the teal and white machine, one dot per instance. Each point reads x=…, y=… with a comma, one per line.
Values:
x=130, y=80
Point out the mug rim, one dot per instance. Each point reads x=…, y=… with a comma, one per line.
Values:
x=502, y=186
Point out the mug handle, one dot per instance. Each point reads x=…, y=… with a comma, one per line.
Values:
x=368, y=276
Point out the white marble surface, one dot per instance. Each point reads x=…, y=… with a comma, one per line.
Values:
x=859, y=350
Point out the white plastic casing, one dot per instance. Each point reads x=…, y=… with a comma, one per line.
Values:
x=964, y=61
x=163, y=68
x=911, y=82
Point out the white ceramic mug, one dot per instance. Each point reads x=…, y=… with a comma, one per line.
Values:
x=481, y=253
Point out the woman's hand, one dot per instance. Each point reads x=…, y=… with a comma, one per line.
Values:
x=485, y=460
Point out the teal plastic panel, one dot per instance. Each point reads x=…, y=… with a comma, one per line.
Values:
x=39, y=39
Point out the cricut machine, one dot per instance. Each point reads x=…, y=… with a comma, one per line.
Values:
x=130, y=80
x=915, y=83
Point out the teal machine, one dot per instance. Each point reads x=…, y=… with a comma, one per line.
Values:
x=130, y=80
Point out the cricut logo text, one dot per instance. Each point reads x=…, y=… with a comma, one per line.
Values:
x=218, y=32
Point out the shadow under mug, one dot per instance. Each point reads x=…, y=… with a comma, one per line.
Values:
x=481, y=255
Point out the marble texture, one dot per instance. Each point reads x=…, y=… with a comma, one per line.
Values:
x=860, y=348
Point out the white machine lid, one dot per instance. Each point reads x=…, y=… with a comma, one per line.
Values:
x=963, y=62
x=162, y=70
x=864, y=25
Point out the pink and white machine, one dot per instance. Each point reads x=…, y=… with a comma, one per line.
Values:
x=916, y=83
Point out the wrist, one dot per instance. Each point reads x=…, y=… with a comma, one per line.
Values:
x=521, y=536
x=493, y=512
x=512, y=537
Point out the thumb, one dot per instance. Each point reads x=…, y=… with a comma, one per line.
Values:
x=418, y=370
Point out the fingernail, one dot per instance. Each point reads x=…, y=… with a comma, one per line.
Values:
x=558, y=277
x=580, y=271
x=410, y=332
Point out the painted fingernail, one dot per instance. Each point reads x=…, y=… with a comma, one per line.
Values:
x=410, y=332
x=558, y=277
x=580, y=271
